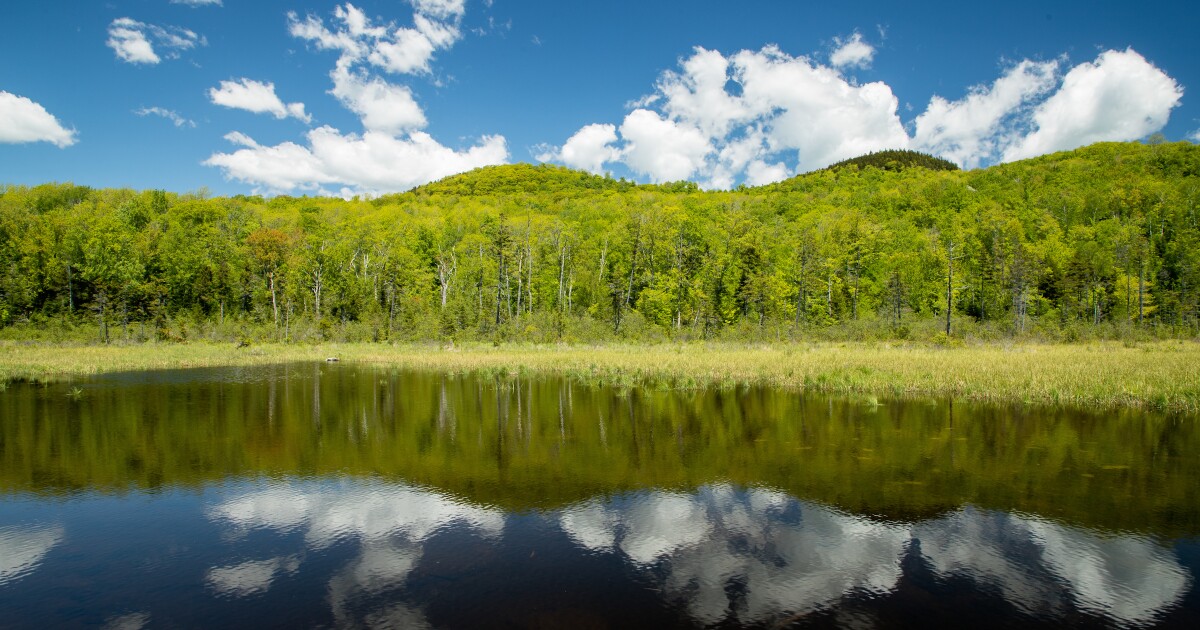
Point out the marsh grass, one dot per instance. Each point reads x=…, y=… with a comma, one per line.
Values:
x=1160, y=375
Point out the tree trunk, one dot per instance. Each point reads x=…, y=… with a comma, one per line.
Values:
x=274, y=301
x=637, y=243
x=1141, y=292
x=103, y=299
x=949, y=284
x=70, y=292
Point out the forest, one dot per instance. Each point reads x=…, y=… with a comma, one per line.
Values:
x=1100, y=242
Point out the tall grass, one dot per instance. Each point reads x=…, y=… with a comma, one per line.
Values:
x=1160, y=375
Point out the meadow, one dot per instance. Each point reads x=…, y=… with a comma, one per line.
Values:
x=1160, y=375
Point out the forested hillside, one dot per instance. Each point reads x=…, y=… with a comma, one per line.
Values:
x=1101, y=241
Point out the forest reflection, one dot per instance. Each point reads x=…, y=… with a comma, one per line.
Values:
x=519, y=444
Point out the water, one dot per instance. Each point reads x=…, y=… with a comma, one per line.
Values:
x=347, y=496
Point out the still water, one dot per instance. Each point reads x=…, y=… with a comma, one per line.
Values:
x=349, y=496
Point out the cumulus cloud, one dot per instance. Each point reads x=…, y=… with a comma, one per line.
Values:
x=397, y=49
x=257, y=97
x=760, y=173
x=589, y=149
x=22, y=120
x=966, y=131
x=392, y=153
x=173, y=116
x=760, y=116
x=851, y=52
x=811, y=109
x=723, y=119
x=663, y=149
x=697, y=95
x=374, y=162
x=382, y=106
x=1119, y=96
x=134, y=41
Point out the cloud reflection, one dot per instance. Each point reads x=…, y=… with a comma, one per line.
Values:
x=390, y=523
x=747, y=556
x=1044, y=566
x=22, y=549
x=249, y=578
x=328, y=513
x=755, y=556
x=727, y=555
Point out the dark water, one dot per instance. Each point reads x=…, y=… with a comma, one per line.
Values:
x=344, y=496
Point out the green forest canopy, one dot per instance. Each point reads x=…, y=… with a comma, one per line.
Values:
x=1102, y=239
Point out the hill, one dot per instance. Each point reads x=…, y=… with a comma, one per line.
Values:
x=896, y=160
x=1103, y=241
x=521, y=178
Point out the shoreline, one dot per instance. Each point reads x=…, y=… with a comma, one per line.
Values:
x=1162, y=376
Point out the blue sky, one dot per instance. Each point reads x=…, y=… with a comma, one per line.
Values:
x=306, y=97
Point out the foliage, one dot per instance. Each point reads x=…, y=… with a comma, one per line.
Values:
x=1101, y=242
x=896, y=160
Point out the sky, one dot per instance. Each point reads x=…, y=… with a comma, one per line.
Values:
x=302, y=97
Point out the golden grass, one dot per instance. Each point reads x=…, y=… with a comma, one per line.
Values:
x=1164, y=375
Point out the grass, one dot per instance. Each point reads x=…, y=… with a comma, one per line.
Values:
x=1158, y=375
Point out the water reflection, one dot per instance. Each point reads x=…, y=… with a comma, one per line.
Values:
x=389, y=523
x=351, y=497
x=755, y=556
x=22, y=549
x=1042, y=566
x=250, y=578
x=722, y=554
x=364, y=510
x=747, y=556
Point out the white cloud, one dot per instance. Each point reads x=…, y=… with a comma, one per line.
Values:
x=811, y=109
x=198, y=3
x=382, y=106
x=967, y=131
x=371, y=163
x=851, y=52
x=391, y=154
x=400, y=50
x=698, y=95
x=1195, y=137
x=22, y=120
x=719, y=115
x=174, y=117
x=442, y=9
x=130, y=43
x=257, y=97
x=750, y=116
x=759, y=173
x=1119, y=96
x=134, y=41
x=663, y=149
x=589, y=149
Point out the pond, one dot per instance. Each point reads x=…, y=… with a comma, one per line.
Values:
x=335, y=495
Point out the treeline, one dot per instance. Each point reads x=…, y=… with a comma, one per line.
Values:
x=1102, y=241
